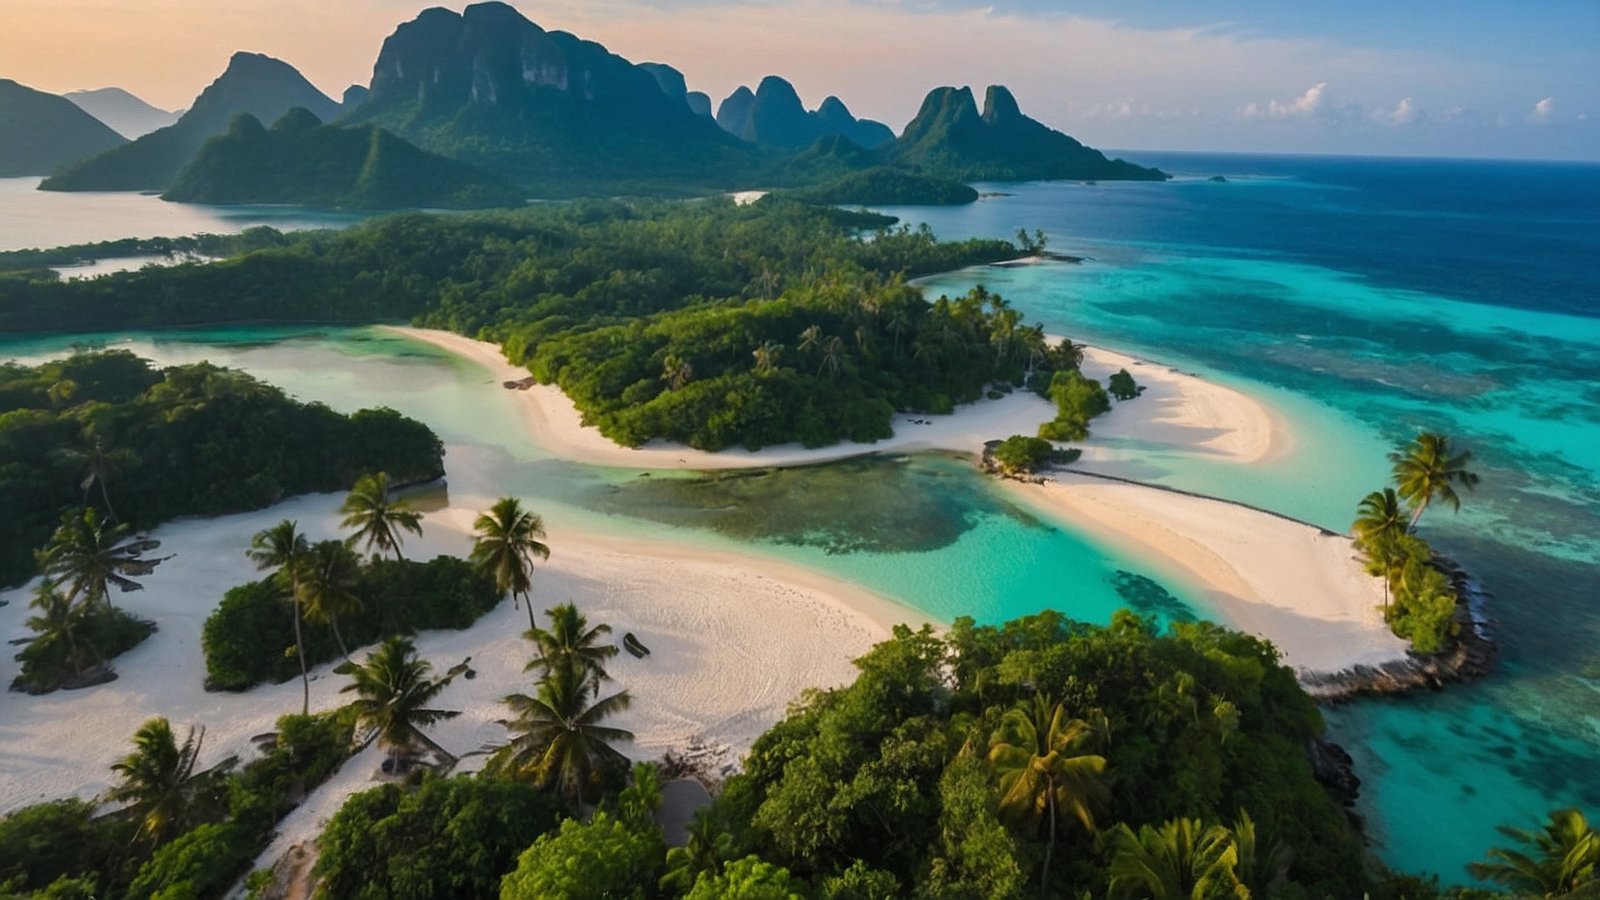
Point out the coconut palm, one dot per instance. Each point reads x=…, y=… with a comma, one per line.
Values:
x=767, y=356
x=283, y=548
x=1427, y=470
x=327, y=586
x=832, y=355
x=676, y=371
x=91, y=556
x=97, y=463
x=570, y=642
x=1260, y=873
x=1379, y=517
x=706, y=850
x=57, y=622
x=394, y=690
x=159, y=781
x=1559, y=858
x=506, y=541
x=558, y=739
x=1036, y=755
x=1184, y=859
x=378, y=519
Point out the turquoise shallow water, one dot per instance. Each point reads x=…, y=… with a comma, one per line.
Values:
x=1364, y=300
x=1367, y=300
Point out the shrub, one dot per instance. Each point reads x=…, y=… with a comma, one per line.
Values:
x=1020, y=453
x=104, y=632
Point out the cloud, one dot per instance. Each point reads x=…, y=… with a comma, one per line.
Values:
x=1542, y=111
x=1306, y=106
x=1406, y=112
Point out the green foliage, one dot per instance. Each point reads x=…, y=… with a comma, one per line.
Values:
x=887, y=774
x=57, y=840
x=885, y=186
x=747, y=879
x=1021, y=453
x=193, y=440
x=245, y=638
x=204, y=862
x=596, y=296
x=1078, y=399
x=1561, y=858
x=603, y=858
x=450, y=837
x=1123, y=387
x=304, y=162
x=98, y=633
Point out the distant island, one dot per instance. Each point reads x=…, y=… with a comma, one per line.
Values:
x=551, y=116
x=302, y=161
x=40, y=131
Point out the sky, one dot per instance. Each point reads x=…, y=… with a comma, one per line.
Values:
x=1487, y=78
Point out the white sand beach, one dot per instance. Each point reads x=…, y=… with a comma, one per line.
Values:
x=733, y=641
x=1287, y=582
x=1176, y=412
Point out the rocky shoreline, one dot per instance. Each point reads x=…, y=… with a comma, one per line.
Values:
x=1473, y=656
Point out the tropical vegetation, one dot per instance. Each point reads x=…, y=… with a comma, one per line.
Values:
x=101, y=445
x=1420, y=602
x=506, y=539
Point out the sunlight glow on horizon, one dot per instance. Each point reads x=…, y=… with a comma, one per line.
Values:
x=1107, y=83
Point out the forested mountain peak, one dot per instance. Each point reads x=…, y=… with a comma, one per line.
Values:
x=773, y=116
x=253, y=83
x=40, y=131
x=950, y=137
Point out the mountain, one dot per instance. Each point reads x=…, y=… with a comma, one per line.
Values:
x=951, y=138
x=126, y=114
x=546, y=109
x=259, y=85
x=354, y=96
x=884, y=186
x=302, y=161
x=773, y=116
x=699, y=103
x=40, y=131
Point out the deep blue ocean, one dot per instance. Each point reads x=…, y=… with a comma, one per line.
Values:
x=1369, y=299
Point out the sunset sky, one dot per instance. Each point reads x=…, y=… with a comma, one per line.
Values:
x=1496, y=78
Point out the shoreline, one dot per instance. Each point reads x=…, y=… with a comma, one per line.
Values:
x=735, y=640
x=1177, y=411
x=1292, y=583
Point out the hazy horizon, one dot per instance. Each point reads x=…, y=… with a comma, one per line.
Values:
x=1483, y=81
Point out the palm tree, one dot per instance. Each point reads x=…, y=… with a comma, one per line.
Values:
x=832, y=354
x=158, y=777
x=57, y=622
x=283, y=547
x=1560, y=858
x=1259, y=873
x=393, y=690
x=507, y=540
x=90, y=556
x=1184, y=859
x=570, y=642
x=1379, y=517
x=327, y=586
x=1035, y=754
x=377, y=518
x=767, y=356
x=810, y=337
x=706, y=849
x=98, y=464
x=676, y=371
x=1426, y=470
x=559, y=741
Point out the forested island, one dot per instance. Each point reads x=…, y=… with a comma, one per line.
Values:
x=140, y=445
x=706, y=323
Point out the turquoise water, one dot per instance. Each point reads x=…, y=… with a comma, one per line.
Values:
x=1367, y=300
x=1364, y=300
x=925, y=530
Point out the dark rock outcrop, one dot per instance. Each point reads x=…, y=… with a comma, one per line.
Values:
x=773, y=116
x=491, y=88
